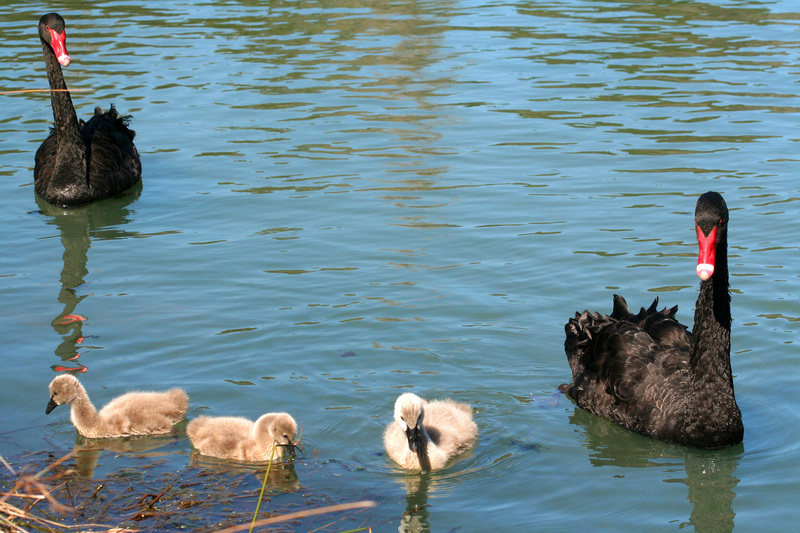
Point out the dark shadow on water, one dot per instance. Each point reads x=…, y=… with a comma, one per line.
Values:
x=78, y=227
x=710, y=474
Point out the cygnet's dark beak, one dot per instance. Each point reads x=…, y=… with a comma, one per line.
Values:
x=415, y=440
x=50, y=406
x=417, y=444
x=290, y=448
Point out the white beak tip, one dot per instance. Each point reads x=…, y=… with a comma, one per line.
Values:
x=705, y=271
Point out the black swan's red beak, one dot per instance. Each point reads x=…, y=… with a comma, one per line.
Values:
x=58, y=42
x=708, y=250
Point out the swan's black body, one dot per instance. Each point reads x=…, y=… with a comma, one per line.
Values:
x=80, y=162
x=647, y=373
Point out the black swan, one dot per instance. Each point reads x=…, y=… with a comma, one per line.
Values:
x=80, y=162
x=647, y=373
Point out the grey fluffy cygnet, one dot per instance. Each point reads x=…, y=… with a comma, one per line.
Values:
x=241, y=439
x=425, y=435
x=133, y=413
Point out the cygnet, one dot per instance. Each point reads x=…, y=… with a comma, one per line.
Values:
x=425, y=435
x=241, y=439
x=133, y=413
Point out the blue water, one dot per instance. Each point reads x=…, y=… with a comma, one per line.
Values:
x=344, y=201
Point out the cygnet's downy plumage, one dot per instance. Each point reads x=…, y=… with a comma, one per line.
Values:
x=241, y=439
x=425, y=435
x=133, y=413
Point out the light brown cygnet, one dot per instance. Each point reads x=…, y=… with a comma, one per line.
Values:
x=425, y=435
x=241, y=439
x=133, y=413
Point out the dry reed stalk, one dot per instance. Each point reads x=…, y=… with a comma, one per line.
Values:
x=30, y=487
x=302, y=514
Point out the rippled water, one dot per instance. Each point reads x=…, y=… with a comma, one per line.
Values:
x=346, y=200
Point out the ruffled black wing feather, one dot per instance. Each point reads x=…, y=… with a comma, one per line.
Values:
x=630, y=368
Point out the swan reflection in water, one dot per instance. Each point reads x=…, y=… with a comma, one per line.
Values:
x=281, y=474
x=710, y=474
x=77, y=227
x=88, y=452
x=416, y=517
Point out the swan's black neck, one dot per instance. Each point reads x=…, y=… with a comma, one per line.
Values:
x=71, y=153
x=714, y=419
x=711, y=334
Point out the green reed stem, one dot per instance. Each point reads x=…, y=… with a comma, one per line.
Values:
x=263, y=487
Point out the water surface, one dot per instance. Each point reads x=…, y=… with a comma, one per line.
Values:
x=343, y=201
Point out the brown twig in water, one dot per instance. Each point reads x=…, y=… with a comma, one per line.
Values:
x=50, y=466
x=141, y=515
x=189, y=504
x=8, y=466
x=160, y=495
x=72, y=504
x=151, y=503
x=30, y=487
x=16, y=520
x=100, y=486
x=302, y=514
x=416, y=509
x=329, y=524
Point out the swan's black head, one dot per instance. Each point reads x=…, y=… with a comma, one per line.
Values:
x=711, y=220
x=53, y=32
